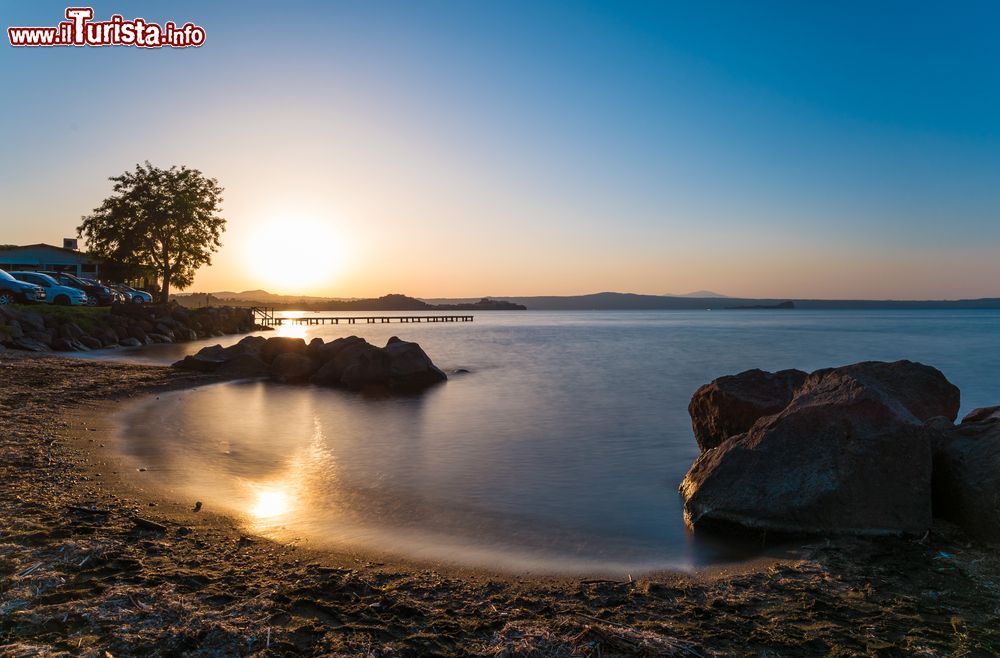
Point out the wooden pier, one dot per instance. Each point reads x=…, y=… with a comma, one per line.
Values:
x=267, y=318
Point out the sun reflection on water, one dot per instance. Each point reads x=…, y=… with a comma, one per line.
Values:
x=270, y=503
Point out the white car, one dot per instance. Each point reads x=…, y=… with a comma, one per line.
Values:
x=54, y=293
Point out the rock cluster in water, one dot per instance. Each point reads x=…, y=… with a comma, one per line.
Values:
x=870, y=448
x=125, y=325
x=350, y=362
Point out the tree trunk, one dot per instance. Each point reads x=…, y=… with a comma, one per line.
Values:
x=165, y=288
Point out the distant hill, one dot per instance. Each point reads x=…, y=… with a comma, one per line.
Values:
x=394, y=302
x=603, y=301
x=701, y=294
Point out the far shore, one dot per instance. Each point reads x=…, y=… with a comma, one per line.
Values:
x=92, y=563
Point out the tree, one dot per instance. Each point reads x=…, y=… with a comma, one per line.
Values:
x=161, y=219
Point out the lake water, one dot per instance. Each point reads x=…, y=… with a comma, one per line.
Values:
x=560, y=451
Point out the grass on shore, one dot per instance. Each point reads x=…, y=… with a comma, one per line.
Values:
x=86, y=317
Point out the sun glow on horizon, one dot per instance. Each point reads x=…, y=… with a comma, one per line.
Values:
x=295, y=255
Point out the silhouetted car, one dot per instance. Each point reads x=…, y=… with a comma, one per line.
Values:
x=54, y=293
x=13, y=291
x=97, y=294
x=137, y=296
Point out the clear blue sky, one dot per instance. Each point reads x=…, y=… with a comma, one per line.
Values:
x=763, y=149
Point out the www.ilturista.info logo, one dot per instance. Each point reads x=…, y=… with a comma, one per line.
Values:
x=81, y=30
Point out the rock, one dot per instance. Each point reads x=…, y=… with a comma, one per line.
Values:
x=14, y=329
x=30, y=344
x=981, y=414
x=208, y=359
x=90, y=342
x=61, y=344
x=129, y=342
x=243, y=366
x=731, y=405
x=410, y=367
x=923, y=390
x=108, y=337
x=369, y=367
x=276, y=345
x=846, y=456
x=251, y=345
x=159, y=338
x=291, y=367
x=314, y=347
x=337, y=357
x=138, y=334
x=966, y=480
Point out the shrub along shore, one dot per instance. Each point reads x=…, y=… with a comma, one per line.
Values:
x=78, y=329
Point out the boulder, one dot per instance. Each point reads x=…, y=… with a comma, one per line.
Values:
x=242, y=366
x=369, y=367
x=291, y=368
x=966, y=480
x=983, y=413
x=130, y=342
x=90, y=342
x=208, y=359
x=338, y=356
x=251, y=345
x=276, y=345
x=731, y=405
x=30, y=344
x=923, y=390
x=14, y=329
x=846, y=456
x=61, y=344
x=108, y=337
x=410, y=367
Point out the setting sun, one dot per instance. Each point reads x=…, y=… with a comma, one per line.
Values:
x=293, y=255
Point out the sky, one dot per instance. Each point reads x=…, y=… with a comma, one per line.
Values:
x=462, y=149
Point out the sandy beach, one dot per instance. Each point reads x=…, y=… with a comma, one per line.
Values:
x=93, y=564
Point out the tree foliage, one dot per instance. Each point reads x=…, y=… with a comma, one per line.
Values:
x=166, y=220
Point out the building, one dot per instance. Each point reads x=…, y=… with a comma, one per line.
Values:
x=49, y=257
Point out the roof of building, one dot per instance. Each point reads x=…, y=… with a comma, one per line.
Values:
x=81, y=255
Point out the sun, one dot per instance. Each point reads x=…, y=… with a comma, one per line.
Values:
x=295, y=255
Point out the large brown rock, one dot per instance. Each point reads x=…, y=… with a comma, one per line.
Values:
x=207, y=359
x=340, y=355
x=276, y=345
x=410, y=367
x=846, y=456
x=730, y=405
x=243, y=365
x=967, y=473
x=291, y=368
x=983, y=413
x=922, y=389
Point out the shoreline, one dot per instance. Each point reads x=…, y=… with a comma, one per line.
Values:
x=74, y=578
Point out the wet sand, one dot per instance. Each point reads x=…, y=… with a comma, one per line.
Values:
x=91, y=563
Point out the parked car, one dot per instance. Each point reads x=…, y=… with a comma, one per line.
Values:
x=97, y=294
x=136, y=296
x=54, y=293
x=13, y=291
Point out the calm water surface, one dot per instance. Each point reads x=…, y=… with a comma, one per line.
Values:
x=559, y=452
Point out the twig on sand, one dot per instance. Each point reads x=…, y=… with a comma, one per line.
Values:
x=29, y=570
x=147, y=524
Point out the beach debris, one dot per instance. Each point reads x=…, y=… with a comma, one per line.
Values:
x=197, y=506
x=148, y=524
x=89, y=510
